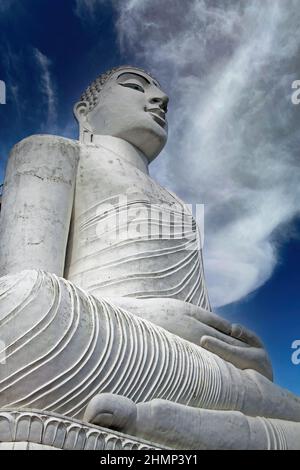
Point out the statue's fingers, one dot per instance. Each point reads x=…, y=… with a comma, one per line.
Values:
x=238, y=356
x=210, y=319
x=241, y=357
x=248, y=336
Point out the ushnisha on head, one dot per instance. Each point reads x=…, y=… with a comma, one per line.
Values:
x=128, y=103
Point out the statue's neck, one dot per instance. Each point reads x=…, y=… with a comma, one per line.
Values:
x=123, y=149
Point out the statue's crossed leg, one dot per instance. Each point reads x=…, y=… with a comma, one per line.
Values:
x=63, y=347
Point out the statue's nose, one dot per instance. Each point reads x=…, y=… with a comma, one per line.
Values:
x=161, y=100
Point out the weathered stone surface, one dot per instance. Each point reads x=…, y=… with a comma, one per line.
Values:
x=37, y=203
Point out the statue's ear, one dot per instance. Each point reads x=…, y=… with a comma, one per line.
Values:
x=81, y=110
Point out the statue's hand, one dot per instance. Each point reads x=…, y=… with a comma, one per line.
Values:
x=250, y=354
x=233, y=343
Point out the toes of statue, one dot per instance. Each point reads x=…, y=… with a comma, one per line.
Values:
x=111, y=411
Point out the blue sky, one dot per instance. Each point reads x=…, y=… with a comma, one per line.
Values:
x=234, y=134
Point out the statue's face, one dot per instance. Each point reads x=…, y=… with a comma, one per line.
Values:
x=133, y=107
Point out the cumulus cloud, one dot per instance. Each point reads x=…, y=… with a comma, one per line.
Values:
x=234, y=132
x=46, y=84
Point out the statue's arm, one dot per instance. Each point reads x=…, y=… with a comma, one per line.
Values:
x=37, y=204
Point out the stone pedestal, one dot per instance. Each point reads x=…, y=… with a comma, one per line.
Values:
x=39, y=430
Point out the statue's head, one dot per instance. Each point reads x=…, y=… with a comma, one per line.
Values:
x=128, y=103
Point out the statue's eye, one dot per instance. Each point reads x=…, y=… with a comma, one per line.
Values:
x=134, y=86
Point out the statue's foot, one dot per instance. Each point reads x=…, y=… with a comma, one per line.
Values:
x=111, y=411
x=184, y=427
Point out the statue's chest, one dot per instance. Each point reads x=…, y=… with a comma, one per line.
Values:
x=145, y=209
x=114, y=185
x=107, y=176
x=133, y=237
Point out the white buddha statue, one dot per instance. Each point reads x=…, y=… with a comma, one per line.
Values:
x=103, y=302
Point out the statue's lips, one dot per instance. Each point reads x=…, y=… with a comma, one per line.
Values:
x=158, y=116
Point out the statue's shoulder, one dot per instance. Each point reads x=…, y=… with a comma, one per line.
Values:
x=46, y=145
x=176, y=199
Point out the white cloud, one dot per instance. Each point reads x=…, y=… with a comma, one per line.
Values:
x=46, y=83
x=234, y=133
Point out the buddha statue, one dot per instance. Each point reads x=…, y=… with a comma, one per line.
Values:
x=104, y=310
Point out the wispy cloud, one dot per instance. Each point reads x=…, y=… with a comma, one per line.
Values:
x=234, y=142
x=24, y=93
x=46, y=84
x=85, y=9
x=11, y=63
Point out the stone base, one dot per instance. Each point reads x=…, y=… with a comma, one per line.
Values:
x=41, y=430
